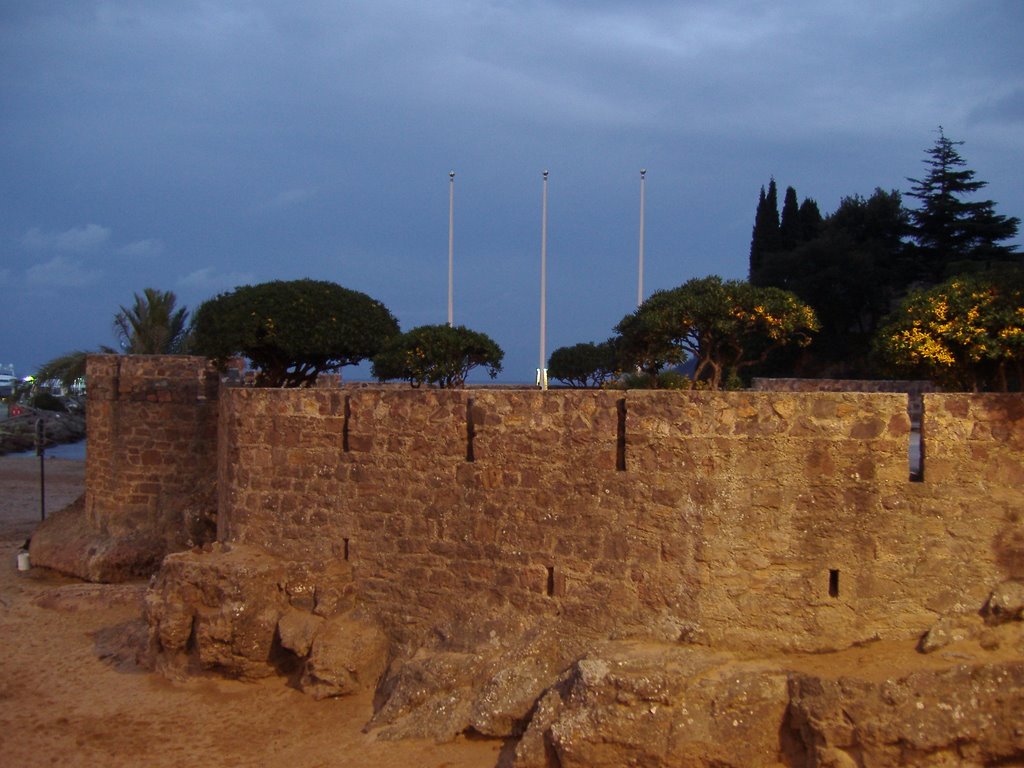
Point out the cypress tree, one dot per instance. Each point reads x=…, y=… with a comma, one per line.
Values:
x=765, y=238
x=789, y=228
x=810, y=220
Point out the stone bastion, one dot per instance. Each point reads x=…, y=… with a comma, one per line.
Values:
x=596, y=577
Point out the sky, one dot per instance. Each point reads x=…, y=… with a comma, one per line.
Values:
x=199, y=145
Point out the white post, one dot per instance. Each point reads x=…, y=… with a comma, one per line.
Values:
x=640, y=281
x=451, y=242
x=542, y=371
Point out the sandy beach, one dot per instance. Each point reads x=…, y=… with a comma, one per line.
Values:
x=72, y=692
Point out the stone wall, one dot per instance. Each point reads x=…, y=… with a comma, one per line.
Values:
x=740, y=520
x=151, y=469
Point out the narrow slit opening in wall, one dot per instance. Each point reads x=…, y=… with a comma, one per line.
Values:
x=551, y=581
x=345, y=550
x=833, y=582
x=470, y=430
x=346, y=416
x=620, y=436
x=915, y=451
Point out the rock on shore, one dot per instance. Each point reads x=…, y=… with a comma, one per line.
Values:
x=18, y=434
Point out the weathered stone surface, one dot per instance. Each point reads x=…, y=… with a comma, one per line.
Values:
x=478, y=674
x=297, y=629
x=949, y=629
x=1006, y=603
x=232, y=608
x=428, y=696
x=653, y=705
x=217, y=610
x=968, y=715
x=66, y=542
x=349, y=654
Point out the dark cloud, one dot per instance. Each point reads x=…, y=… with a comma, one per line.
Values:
x=222, y=142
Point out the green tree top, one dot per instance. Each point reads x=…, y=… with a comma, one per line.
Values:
x=291, y=331
x=441, y=355
x=724, y=325
x=585, y=365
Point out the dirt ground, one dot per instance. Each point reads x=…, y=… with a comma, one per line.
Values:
x=71, y=693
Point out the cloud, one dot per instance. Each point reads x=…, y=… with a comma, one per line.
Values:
x=1008, y=108
x=142, y=249
x=76, y=239
x=61, y=272
x=207, y=280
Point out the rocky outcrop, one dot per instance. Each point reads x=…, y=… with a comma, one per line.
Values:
x=967, y=715
x=240, y=612
x=562, y=698
x=478, y=675
x=18, y=433
x=654, y=705
x=66, y=542
x=71, y=542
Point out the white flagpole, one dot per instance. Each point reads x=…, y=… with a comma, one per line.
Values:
x=451, y=243
x=640, y=281
x=542, y=371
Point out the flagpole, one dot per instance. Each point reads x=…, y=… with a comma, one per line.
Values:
x=542, y=371
x=640, y=280
x=451, y=244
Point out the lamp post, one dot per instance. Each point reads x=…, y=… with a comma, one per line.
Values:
x=640, y=280
x=451, y=243
x=542, y=371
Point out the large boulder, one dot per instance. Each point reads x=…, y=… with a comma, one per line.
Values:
x=966, y=715
x=239, y=611
x=659, y=705
x=475, y=674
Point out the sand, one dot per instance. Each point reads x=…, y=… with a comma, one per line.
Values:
x=72, y=694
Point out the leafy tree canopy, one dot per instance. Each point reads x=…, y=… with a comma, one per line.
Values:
x=725, y=325
x=585, y=365
x=441, y=355
x=965, y=334
x=292, y=331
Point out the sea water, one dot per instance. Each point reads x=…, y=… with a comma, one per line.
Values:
x=68, y=451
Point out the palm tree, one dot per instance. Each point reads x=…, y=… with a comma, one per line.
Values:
x=152, y=326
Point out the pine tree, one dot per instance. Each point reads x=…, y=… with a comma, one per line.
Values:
x=765, y=238
x=951, y=232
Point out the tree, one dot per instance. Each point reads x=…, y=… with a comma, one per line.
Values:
x=965, y=334
x=789, y=227
x=292, y=331
x=725, y=325
x=441, y=355
x=953, y=234
x=850, y=272
x=585, y=365
x=152, y=325
x=765, y=237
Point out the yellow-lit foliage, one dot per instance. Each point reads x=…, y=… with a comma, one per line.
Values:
x=966, y=334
